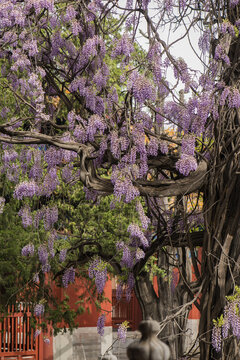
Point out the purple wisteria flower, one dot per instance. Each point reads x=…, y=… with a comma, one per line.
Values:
x=141, y=87
x=21, y=61
x=120, y=245
x=101, y=324
x=195, y=220
x=136, y=232
x=53, y=156
x=225, y=94
x=234, y=99
x=140, y=254
x=90, y=194
x=127, y=257
x=37, y=333
x=122, y=332
x=204, y=42
x=50, y=182
x=115, y=144
x=236, y=326
x=92, y=266
x=130, y=286
x=28, y=250
x=98, y=270
x=68, y=276
x=144, y=120
x=71, y=120
x=125, y=187
x=145, y=4
x=123, y=46
x=168, y=5
x=101, y=77
x=163, y=147
x=145, y=221
x=100, y=279
x=31, y=47
x=40, y=5
x=234, y=3
x=9, y=156
x=39, y=310
x=80, y=133
x=70, y=13
x=188, y=145
x=62, y=255
x=26, y=189
x=186, y=164
x=50, y=217
x=96, y=124
x=119, y=291
x=36, y=171
x=37, y=217
x=220, y=54
x=232, y=318
x=25, y=213
x=216, y=338
x=227, y=27
x=93, y=46
x=46, y=268
x=5, y=110
x=67, y=173
x=51, y=239
x=237, y=23
x=43, y=254
x=181, y=71
x=78, y=84
x=153, y=146
x=182, y=4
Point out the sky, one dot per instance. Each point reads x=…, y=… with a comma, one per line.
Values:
x=179, y=49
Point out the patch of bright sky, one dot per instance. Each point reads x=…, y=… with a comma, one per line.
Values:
x=184, y=45
x=186, y=48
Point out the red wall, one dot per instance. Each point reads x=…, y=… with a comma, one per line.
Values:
x=90, y=316
x=87, y=319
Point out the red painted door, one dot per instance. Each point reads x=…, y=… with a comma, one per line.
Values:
x=123, y=310
x=17, y=340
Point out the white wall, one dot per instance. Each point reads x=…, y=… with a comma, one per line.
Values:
x=82, y=344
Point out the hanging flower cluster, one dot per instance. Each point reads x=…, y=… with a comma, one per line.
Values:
x=98, y=270
x=228, y=323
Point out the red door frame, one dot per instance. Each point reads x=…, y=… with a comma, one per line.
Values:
x=124, y=310
x=17, y=337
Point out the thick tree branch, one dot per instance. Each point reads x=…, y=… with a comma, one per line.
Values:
x=187, y=185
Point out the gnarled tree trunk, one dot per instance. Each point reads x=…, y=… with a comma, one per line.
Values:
x=221, y=256
x=163, y=305
x=221, y=247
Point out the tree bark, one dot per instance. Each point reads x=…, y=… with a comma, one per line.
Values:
x=162, y=305
x=221, y=260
